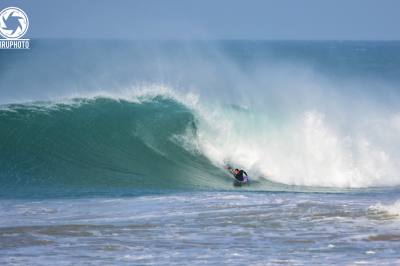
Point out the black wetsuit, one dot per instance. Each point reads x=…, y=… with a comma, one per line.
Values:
x=239, y=176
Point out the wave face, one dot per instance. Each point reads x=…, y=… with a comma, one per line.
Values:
x=125, y=116
x=98, y=143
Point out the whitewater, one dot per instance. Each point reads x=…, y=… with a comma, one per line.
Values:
x=114, y=153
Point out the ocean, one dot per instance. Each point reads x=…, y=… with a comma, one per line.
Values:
x=113, y=153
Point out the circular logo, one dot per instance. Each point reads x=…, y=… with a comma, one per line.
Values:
x=13, y=23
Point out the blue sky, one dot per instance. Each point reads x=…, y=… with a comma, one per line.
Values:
x=213, y=19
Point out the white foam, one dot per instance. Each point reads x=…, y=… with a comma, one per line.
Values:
x=390, y=209
x=307, y=150
x=320, y=135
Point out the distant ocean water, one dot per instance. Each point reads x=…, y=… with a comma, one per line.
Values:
x=113, y=152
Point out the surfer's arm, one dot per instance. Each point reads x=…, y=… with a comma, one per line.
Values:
x=245, y=173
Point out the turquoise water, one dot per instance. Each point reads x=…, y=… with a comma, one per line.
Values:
x=113, y=152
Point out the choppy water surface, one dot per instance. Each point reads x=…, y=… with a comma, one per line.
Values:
x=230, y=227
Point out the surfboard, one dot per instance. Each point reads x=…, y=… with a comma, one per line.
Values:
x=238, y=183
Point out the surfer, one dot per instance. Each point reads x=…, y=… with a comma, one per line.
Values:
x=240, y=175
